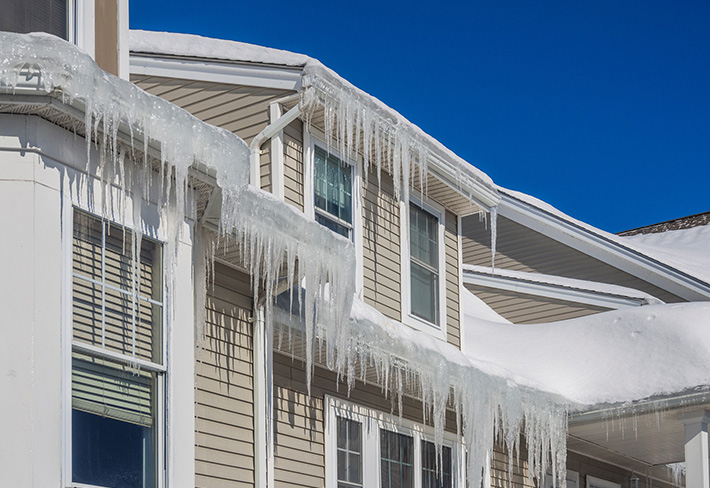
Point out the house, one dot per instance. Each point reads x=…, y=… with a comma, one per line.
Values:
x=230, y=267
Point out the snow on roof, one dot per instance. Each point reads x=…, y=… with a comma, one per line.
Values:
x=611, y=357
x=174, y=44
x=354, y=108
x=688, y=253
x=561, y=281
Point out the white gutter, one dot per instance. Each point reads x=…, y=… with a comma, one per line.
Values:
x=576, y=291
x=269, y=131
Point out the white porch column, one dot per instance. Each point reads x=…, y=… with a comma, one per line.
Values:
x=697, y=468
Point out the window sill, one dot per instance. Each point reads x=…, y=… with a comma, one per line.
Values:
x=424, y=326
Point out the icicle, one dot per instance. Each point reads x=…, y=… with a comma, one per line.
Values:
x=494, y=237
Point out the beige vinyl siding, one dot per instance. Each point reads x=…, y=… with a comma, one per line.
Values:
x=224, y=446
x=293, y=164
x=243, y=110
x=520, y=308
x=451, y=241
x=381, y=247
x=522, y=249
x=299, y=429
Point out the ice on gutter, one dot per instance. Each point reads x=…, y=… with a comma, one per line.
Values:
x=516, y=280
x=351, y=115
x=492, y=404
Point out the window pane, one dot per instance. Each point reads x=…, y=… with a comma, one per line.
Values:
x=113, y=424
x=334, y=226
x=424, y=293
x=431, y=476
x=332, y=186
x=423, y=235
x=396, y=460
x=349, y=453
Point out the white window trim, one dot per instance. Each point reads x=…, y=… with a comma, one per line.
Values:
x=372, y=421
x=152, y=231
x=594, y=482
x=310, y=141
x=571, y=476
x=438, y=331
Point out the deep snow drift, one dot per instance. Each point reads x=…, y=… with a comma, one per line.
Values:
x=611, y=357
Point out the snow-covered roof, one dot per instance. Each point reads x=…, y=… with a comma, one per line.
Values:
x=610, y=357
x=688, y=252
x=174, y=44
x=355, y=109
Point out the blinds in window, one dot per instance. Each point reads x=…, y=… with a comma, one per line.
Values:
x=111, y=310
x=112, y=390
x=34, y=16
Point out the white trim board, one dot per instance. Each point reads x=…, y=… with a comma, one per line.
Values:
x=604, y=249
x=530, y=284
x=232, y=73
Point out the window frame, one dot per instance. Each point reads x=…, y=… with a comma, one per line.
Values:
x=70, y=346
x=372, y=421
x=314, y=137
x=408, y=318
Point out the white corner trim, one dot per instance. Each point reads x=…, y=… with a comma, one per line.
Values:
x=534, y=286
x=600, y=247
x=277, y=154
x=225, y=72
x=440, y=331
x=123, y=45
x=84, y=26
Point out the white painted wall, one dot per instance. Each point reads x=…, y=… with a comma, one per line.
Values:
x=39, y=175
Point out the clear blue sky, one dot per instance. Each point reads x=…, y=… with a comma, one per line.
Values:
x=601, y=108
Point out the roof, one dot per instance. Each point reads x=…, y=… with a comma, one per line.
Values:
x=325, y=89
x=674, y=224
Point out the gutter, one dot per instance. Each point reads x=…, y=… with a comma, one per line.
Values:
x=648, y=406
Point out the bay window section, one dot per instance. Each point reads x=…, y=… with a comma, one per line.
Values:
x=117, y=366
x=436, y=473
x=424, y=264
x=332, y=192
x=396, y=460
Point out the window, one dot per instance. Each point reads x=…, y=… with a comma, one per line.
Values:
x=423, y=267
x=349, y=453
x=571, y=480
x=369, y=448
x=117, y=370
x=332, y=192
x=39, y=15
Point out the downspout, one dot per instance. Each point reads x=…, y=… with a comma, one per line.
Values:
x=261, y=345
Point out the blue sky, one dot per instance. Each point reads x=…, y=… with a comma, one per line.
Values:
x=600, y=108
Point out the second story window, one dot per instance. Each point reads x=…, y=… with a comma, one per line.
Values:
x=424, y=264
x=37, y=16
x=332, y=192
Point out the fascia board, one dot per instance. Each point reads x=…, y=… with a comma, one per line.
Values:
x=606, y=250
x=281, y=78
x=548, y=290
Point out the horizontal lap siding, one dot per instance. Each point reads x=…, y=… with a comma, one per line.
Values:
x=299, y=428
x=224, y=451
x=381, y=249
x=293, y=164
x=522, y=249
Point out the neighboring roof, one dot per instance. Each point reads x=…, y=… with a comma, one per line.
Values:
x=606, y=358
x=173, y=44
x=696, y=266
x=674, y=224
